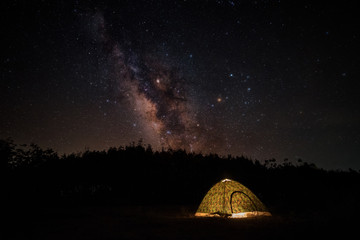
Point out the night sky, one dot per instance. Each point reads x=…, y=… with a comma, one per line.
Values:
x=263, y=79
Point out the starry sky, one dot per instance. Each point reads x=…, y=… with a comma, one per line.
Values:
x=263, y=79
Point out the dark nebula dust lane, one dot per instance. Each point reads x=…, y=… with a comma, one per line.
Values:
x=156, y=92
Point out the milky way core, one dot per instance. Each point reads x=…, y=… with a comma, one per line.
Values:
x=156, y=93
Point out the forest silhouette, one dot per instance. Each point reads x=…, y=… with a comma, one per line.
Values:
x=138, y=175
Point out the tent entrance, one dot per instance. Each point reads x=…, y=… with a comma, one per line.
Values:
x=241, y=202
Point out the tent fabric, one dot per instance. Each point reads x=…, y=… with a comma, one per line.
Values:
x=229, y=198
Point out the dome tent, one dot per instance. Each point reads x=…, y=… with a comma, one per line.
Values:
x=229, y=198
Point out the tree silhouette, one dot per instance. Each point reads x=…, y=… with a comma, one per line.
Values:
x=136, y=174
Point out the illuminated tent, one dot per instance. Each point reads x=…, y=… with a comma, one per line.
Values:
x=229, y=198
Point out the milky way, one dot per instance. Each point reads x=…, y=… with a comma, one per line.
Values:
x=263, y=79
x=156, y=92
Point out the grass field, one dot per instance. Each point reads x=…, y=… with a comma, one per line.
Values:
x=166, y=222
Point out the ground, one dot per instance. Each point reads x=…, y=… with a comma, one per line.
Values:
x=164, y=222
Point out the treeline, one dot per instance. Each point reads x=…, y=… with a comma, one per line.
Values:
x=136, y=174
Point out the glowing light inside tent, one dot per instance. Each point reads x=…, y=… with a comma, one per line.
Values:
x=226, y=180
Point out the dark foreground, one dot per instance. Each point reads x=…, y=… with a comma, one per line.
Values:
x=175, y=222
